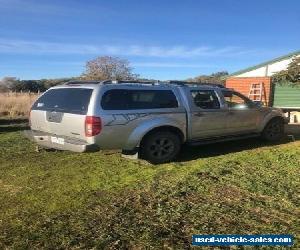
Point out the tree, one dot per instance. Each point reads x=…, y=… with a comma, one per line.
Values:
x=107, y=67
x=218, y=77
x=291, y=74
x=8, y=83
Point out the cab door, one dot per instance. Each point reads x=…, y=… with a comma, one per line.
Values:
x=208, y=116
x=243, y=115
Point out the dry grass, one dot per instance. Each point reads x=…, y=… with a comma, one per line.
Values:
x=16, y=104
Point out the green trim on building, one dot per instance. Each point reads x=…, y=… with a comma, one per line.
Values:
x=278, y=59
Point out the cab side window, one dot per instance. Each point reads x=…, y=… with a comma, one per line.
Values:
x=205, y=99
x=236, y=101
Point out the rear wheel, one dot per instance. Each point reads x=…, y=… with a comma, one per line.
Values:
x=160, y=147
x=274, y=130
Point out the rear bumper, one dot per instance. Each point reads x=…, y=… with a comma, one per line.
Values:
x=44, y=140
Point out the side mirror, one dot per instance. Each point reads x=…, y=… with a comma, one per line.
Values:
x=258, y=103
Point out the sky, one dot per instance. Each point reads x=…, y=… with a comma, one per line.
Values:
x=163, y=39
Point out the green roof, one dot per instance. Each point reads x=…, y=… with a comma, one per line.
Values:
x=266, y=63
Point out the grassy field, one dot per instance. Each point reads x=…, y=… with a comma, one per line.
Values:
x=60, y=200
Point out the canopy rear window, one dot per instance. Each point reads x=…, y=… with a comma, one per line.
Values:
x=67, y=100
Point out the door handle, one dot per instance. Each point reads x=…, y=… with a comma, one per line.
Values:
x=199, y=114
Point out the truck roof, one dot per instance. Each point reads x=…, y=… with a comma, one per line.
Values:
x=137, y=83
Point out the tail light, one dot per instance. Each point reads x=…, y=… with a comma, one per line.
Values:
x=93, y=125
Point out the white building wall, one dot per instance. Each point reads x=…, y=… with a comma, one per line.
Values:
x=267, y=70
x=254, y=73
x=278, y=66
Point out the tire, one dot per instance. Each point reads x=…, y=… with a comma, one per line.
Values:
x=160, y=147
x=274, y=130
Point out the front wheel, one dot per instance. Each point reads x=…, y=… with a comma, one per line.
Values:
x=160, y=147
x=274, y=130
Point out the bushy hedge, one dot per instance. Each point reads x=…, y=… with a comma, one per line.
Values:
x=16, y=85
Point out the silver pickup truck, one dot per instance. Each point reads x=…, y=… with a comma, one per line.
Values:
x=152, y=119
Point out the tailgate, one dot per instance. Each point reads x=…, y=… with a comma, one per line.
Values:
x=61, y=111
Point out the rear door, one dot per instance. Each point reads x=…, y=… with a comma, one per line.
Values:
x=208, y=116
x=62, y=111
